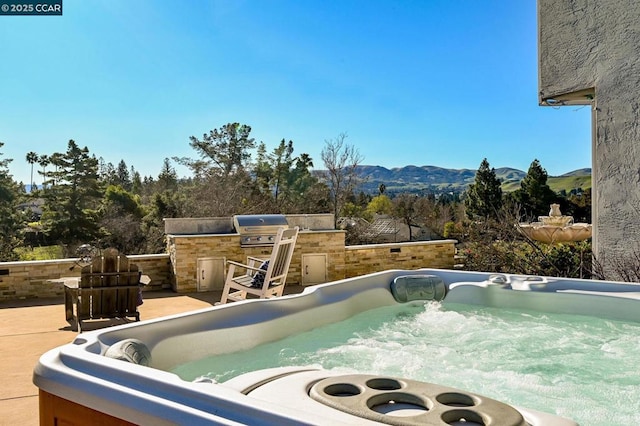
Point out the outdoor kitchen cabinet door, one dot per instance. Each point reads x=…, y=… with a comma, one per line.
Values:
x=314, y=268
x=211, y=273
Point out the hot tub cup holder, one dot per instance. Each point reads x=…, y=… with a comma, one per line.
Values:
x=406, y=402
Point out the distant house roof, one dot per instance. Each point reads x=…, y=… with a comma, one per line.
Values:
x=382, y=226
x=34, y=205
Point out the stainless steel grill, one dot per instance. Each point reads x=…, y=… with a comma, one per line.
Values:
x=258, y=230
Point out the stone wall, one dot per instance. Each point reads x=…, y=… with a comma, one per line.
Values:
x=24, y=280
x=366, y=259
x=341, y=262
x=179, y=268
x=185, y=250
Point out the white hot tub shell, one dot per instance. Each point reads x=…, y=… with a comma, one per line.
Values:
x=81, y=374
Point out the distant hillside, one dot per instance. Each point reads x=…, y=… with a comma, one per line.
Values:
x=576, y=179
x=579, y=172
x=432, y=179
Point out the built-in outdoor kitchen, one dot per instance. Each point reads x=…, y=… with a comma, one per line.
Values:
x=199, y=248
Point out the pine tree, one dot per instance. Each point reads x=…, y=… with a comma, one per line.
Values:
x=225, y=149
x=484, y=197
x=70, y=213
x=534, y=195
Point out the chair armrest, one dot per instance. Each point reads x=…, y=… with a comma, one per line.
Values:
x=241, y=265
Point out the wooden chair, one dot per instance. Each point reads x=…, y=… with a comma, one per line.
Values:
x=108, y=288
x=260, y=279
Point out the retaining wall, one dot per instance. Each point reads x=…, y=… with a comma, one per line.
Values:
x=178, y=269
x=22, y=280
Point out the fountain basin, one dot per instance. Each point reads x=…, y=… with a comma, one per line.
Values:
x=551, y=234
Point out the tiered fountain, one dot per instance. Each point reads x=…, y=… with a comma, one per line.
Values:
x=556, y=228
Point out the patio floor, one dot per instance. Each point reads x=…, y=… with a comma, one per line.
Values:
x=29, y=328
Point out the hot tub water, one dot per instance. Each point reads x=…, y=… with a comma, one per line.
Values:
x=579, y=367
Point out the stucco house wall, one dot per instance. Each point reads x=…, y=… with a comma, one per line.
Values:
x=589, y=54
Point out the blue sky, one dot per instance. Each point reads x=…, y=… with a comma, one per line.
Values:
x=438, y=82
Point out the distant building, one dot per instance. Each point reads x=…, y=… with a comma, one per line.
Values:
x=385, y=229
x=589, y=55
x=34, y=207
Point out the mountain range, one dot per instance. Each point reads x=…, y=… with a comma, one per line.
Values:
x=433, y=179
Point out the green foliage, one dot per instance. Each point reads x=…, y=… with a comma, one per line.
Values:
x=354, y=210
x=225, y=149
x=31, y=158
x=121, y=220
x=87, y=200
x=380, y=204
x=70, y=214
x=278, y=179
x=40, y=253
x=569, y=183
x=306, y=193
x=11, y=219
x=449, y=230
x=519, y=257
x=534, y=195
x=122, y=201
x=578, y=205
x=484, y=197
x=168, y=178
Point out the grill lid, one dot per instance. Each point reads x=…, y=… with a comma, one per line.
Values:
x=258, y=230
x=259, y=223
x=248, y=223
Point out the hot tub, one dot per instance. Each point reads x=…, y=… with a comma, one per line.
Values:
x=80, y=378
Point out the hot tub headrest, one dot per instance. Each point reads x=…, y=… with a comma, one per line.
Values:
x=406, y=288
x=130, y=350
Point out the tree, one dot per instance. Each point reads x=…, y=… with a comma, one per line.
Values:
x=534, y=195
x=44, y=161
x=55, y=160
x=380, y=204
x=579, y=206
x=275, y=174
x=32, y=158
x=262, y=169
x=281, y=161
x=70, y=214
x=484, y=196
x=122, y=174
x=225, y=149
x=168, y=178
x=340, y=161
x=407, y=207
x=121, y=217
x=162, y=206
x=136, y=181
x=307, y=194
x=11, y=219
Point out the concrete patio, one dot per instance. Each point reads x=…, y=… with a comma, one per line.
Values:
x=31, y=327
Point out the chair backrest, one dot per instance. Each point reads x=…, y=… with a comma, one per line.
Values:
x=280, y=258
x=108, y=286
